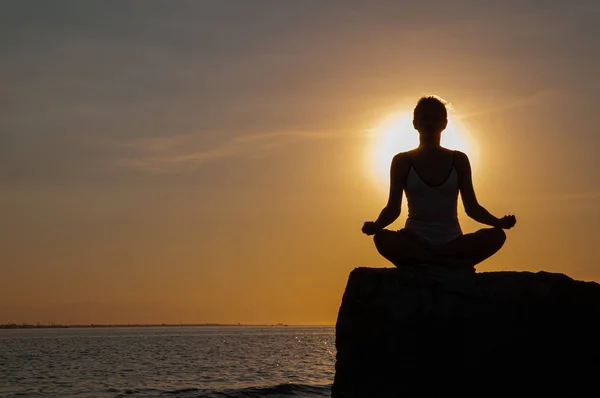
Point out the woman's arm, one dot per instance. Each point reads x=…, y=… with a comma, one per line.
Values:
x=472, y=206
x=391, y=211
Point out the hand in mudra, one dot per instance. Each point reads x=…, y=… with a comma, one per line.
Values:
x=507, y=222
x=370, y=228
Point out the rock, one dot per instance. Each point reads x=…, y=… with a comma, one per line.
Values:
x=397, y=327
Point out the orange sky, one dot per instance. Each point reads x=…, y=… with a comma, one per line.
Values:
x=206, y=162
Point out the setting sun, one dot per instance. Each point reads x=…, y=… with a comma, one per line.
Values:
x=396, y=134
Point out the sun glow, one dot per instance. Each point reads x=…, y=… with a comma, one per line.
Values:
x=397, y=134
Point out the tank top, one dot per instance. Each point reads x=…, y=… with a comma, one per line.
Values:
x=432, y=210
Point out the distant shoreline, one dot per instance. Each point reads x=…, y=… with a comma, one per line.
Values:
x=45, y=326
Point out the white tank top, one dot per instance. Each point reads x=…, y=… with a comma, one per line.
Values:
x=432, y=210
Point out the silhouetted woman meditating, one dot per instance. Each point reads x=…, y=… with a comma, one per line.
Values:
x=432, y=176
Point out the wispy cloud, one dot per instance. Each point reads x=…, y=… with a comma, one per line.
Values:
x=185, y=152
x=515, y=103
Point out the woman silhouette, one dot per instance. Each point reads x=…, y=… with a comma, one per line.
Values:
x=432, y=176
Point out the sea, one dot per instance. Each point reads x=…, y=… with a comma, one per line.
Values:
x=169, y=361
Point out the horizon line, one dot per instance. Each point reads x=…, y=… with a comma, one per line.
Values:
x=115, y=325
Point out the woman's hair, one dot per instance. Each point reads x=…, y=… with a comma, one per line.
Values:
x=430, y=110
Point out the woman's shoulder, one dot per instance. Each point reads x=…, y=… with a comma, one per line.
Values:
x=461, y=162
x=402, y=156
x=460, y=156
x=401, y=162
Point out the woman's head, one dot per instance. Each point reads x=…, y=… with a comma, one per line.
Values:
x=430, y=115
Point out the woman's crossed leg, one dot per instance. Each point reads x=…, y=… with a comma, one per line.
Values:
x=405, y=248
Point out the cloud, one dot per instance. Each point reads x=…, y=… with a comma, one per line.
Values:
x=530, y=99
x=185, y=152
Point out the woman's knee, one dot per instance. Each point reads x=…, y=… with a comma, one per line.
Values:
x=382, y=240
x=499, y=237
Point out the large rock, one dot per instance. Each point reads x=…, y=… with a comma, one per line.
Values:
x=397, y=327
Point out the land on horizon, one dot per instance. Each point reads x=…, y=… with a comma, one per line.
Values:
x=67, y=326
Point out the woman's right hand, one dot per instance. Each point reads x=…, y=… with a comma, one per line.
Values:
x=370, y=228
x=507, y=222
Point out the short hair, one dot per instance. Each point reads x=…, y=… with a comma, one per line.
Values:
x=431, y=108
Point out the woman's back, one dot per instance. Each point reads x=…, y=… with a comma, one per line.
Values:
x=433, y=164
x=431, y=189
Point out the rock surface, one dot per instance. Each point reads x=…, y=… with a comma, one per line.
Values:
x=398, y=327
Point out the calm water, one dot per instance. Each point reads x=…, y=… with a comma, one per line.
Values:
x=167, y=362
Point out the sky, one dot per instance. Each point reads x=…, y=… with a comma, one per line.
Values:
x=214, y=161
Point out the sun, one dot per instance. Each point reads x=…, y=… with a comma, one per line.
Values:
x=397, y=134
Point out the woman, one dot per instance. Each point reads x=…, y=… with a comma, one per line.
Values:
x=432, y=176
